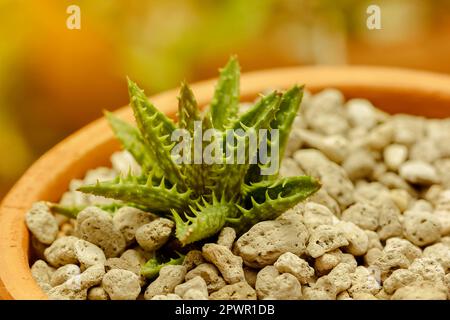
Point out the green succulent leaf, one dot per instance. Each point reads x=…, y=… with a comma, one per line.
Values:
x=143, y=192
x=198, y=176
x=151, y=268
x=132, y=141
x=147, y=109
x=156, y=130
x=231, y=174
x=266, y=200
x=202, y=178
x=73, y=211
x=70, y=212
x=260, y=115
x=266, y=170
x=188, y=111
x=225, y=103
x=289, y=105
x=204, y=220
x=283, y=119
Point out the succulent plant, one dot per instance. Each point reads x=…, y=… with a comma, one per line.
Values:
x=203, y=198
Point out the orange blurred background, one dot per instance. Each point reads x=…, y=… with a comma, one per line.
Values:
x=54, y=80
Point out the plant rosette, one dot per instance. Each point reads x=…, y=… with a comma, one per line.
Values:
x=194, y=210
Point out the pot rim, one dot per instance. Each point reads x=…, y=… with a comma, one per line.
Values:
x=399, y=90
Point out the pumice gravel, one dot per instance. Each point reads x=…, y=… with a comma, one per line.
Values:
x=379, y=227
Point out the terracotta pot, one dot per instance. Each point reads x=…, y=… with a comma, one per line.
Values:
x=393, y=90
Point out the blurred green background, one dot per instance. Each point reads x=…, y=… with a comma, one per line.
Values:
x=54, y=80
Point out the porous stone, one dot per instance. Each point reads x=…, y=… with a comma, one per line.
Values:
x=197, y=283
x=340, y=277
x=267, y=240
x=335, y=147
x=381, y=136
x=227, y=237
x=128, y=219
x=155, y=234
x=389, y=224
x=272, y=285
x=316, y=214
x=372, y=255
x=324, y=239
x=364, y=280
x=421, y=228
x=229, y=265
x=374, y=240
x=361, y=113
x=250, y=275
x=169, y=277
x=293, y=264
x=358, y=241
x=418, y=172
x=97, y=293
x=88, y=254
x=440, y=252
x=62, y=252
x=426, y=150
x=192, y=259
x=428, y=269
x=69, y=290
x=237, y=291
x=290, y=168
x=422, y=290
x=92, y=276
x=322, y=197
x=334, y=179
x=97, y=227
x=395, y=155
x=210, y=274
x=407, y=129
x=359, y=164
x=327, y=261
x=41, y=223
x=42, y=274
x=121, y=285
x=64, y=273
x=398, y=279
x=363, y=214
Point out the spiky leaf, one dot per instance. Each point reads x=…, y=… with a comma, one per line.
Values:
x=204, y=220
x=198, y=175
x=153, y=197
x=156, y=130
x=188, y=111
x=132, y=141
x=73, y=211
x=256, y=118
x=267, y=199
x=289, y=105
x=230, y=175
x=225, y=103
x=260, y=115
